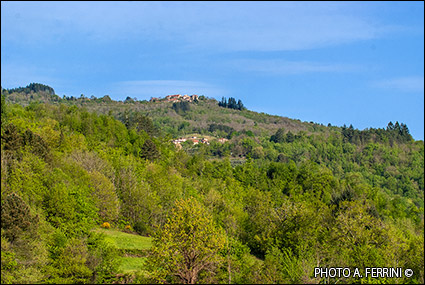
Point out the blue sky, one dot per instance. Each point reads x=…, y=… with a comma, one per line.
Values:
x=359, y=63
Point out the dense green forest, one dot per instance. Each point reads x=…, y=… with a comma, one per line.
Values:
x=271, y=203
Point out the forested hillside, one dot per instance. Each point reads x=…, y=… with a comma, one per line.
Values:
x=170, y=117
x=270, y=203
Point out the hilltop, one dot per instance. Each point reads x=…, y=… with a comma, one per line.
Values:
x=201, y=113
x=185, y=115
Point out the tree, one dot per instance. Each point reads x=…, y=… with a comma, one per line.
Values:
x=129, y=100
x=362, y=240
x=11, y=138
x=105, y=197
x=9, y=265
x=3, y=106
x=240, y=105
x=405, y=133
x=279, y=136
x=35, y=87
x=143, y=123
x=39, y=146
x=149, y=150
x=70, y=266
x=231, y=104
x=16, y=217
x=188, y=244
x=105, y=98
x=290, y=137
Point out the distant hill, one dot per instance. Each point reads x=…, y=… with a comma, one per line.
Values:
x=197, y=119
x=203, y=116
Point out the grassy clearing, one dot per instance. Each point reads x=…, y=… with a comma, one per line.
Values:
x=131, y=264
x=126, y=241
x=130, y=243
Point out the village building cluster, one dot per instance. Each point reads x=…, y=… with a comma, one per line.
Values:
x=175, y=98
x=196, y=141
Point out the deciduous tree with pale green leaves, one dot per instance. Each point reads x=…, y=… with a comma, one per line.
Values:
x=187, y=245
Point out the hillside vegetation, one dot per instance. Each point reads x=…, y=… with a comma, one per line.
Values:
x=277, y=199
x=132, y=248
x=171, y=120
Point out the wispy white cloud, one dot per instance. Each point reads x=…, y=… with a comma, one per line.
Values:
x=260, y=26
x=144, y=89
x=402, y=84
x=285, y=67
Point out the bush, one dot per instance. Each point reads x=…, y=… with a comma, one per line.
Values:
x=141, y=228
x=106, y=225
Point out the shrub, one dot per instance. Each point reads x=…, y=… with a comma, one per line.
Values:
x=128, y=228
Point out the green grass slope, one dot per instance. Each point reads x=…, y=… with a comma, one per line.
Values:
x=133, y=248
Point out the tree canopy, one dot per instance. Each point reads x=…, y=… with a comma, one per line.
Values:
x=188, y=244
x=274, y=200
x=231, y=104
